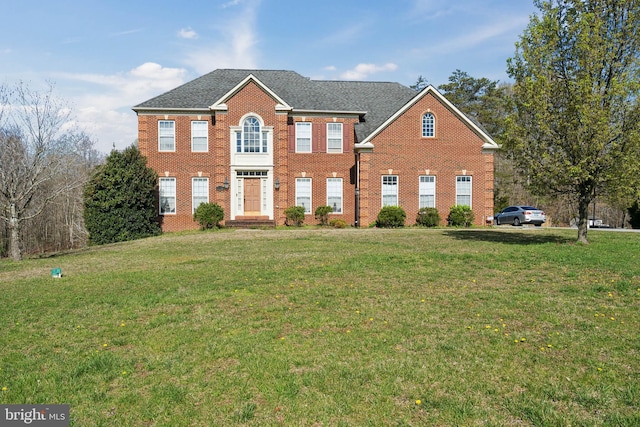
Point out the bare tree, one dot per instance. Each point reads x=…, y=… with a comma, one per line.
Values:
x=37, y=142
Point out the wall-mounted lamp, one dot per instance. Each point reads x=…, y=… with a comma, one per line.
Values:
x=276, y=185
x=226, y=183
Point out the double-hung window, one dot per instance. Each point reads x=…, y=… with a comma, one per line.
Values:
x=199, y=137
x=427, y=191
x=463, y=190
x=303, y=137
x=167, y=196
x=334, y=194
x=199, y=191
x=303, y=194
x=166, y=135
x=428, y=125
x=389, y=190
x=334, y=137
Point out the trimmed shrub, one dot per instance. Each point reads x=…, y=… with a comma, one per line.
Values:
x=391, y=217
x=295, y=216
x=460, y=216
x=322, y=214
x=338, y=223
x=428, y=217
x=208, y=215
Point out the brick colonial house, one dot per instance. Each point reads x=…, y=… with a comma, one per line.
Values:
x=259, y=141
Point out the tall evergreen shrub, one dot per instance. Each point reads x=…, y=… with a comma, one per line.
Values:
x=120, y=199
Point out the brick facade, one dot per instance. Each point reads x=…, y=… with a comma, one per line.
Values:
x=458, y=148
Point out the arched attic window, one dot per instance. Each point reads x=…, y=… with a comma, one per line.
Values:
x=428, y=125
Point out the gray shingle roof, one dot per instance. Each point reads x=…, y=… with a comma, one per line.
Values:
x=380, y=100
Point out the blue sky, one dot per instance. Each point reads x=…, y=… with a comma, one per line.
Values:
x=106, y=56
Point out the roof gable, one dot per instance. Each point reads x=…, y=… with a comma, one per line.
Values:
x=489, y=143
x=220, y=104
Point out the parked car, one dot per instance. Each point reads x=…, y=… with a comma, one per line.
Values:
x=518, y=215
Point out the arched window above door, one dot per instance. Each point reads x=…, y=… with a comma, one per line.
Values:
x=251, y=138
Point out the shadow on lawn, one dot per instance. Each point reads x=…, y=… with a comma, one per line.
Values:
x=508, y=237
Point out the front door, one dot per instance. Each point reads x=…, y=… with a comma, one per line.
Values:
x=252, y=196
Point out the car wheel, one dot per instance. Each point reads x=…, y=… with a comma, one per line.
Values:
x=516, y=221
x=497, y=221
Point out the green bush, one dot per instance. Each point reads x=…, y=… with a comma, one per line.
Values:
x=338, y=223
x=460, y=216
x=428, y=217
x=322, y=214
x=391, y=217
x=121, y=199
x=295, y=216
x=208, y=215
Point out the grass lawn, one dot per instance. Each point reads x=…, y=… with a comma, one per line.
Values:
x=324, y=327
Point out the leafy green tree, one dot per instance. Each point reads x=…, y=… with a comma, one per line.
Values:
x=575, y=129
x=120, y=199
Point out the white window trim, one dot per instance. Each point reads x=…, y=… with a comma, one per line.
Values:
x=470, y=190
x=341, y=194
x=310, y=210
x=174, y=195
x=174, y=136
x=336, y=150
x=206, y=136
x=420, y=194
x=307, y=125
x=397, y=193
x=193, y=181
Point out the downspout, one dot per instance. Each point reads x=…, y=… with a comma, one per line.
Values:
x=357, y=201
x=363, y=147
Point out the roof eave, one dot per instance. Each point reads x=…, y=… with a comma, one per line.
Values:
x=190, y=110
x=310, y=111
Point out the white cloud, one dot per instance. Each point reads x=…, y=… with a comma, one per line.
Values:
x=478, y=36
x=105, y=111
x=234, y=46
x=330, y=68
x=362, y=71
x=431, y=9
x=187, y=33
x=346, y=35
x=231, y=3
x=126, y=32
